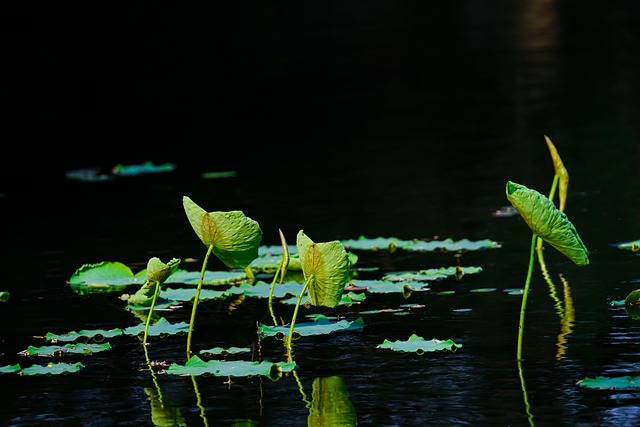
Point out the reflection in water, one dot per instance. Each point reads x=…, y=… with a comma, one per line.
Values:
x=331, y=405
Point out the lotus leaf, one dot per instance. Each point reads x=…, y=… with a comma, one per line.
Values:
x=235, y=237
x=547, y=222
x=327, y=267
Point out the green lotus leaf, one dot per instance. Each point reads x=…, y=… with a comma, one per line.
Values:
x=321, y=325
x=327, y=264
x=58, y=350
x=235, y=237
x=547, y=222
x=158, y=271
x=52, y=369
x=239, y=368
x=604, y=383
x=419, y=345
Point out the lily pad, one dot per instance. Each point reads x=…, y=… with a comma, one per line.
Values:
x=320, y=326
x=161, y=327
x=96, y=335
x=52, y=369
x=103, y=277
x=419, y=345
x=57, y=350
x=617, y=383
x=196, y=366
x=393, y=243
x=432, y=274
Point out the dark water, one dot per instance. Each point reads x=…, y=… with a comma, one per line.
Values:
x=400, y=119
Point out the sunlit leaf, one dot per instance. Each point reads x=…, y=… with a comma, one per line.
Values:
x=235, y=237
x=320, y=326
x=419, y=345
x=158, y=271
x=196, y=366
x=103, y=277
x=561, y=173
x=331, y=405
x=328, y=266
x=547, y=222
x=617, y=383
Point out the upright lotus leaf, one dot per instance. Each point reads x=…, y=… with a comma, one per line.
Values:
x=235, y=237
x=328, y=263
x=561, y=173
x=547, y=222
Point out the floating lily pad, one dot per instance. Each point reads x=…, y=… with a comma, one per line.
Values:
x=9, y=369
x=52, y=369
x=225, y=351
x=320, y=326
x=196, y=366
x=617, y=383
x=96, y=335
x=419, y=345
x=103, y=277
x=392, y=243
x=57, y=350
x=432, y=274
x=161, y=327
x=387, y=286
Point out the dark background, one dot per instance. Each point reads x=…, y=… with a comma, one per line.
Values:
x=311, y=86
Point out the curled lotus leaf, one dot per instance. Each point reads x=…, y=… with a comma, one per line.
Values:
x=235, y=237
x=547, y=222
x=158, y=271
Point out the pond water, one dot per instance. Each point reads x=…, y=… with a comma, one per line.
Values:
x=391, y=120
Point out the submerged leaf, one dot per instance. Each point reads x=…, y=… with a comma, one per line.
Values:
x=235, y=237
x=327, y=264
x=547, y=222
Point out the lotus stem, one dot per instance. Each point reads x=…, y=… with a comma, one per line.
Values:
x=196, y=299
x=293, y=319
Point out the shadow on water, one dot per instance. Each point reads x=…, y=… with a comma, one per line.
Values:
x=395, y=119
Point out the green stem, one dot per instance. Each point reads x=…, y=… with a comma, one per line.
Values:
x=148, y=322
x=195, y=301
x=525, y=293
x=523, y=307
x=273, y=284
x=293, y=320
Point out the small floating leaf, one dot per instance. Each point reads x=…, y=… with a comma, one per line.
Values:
x=418, y=345
x=10, y=369
x=235, y=237
x=328, y=266
x=547, y=222
x=604, y=383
